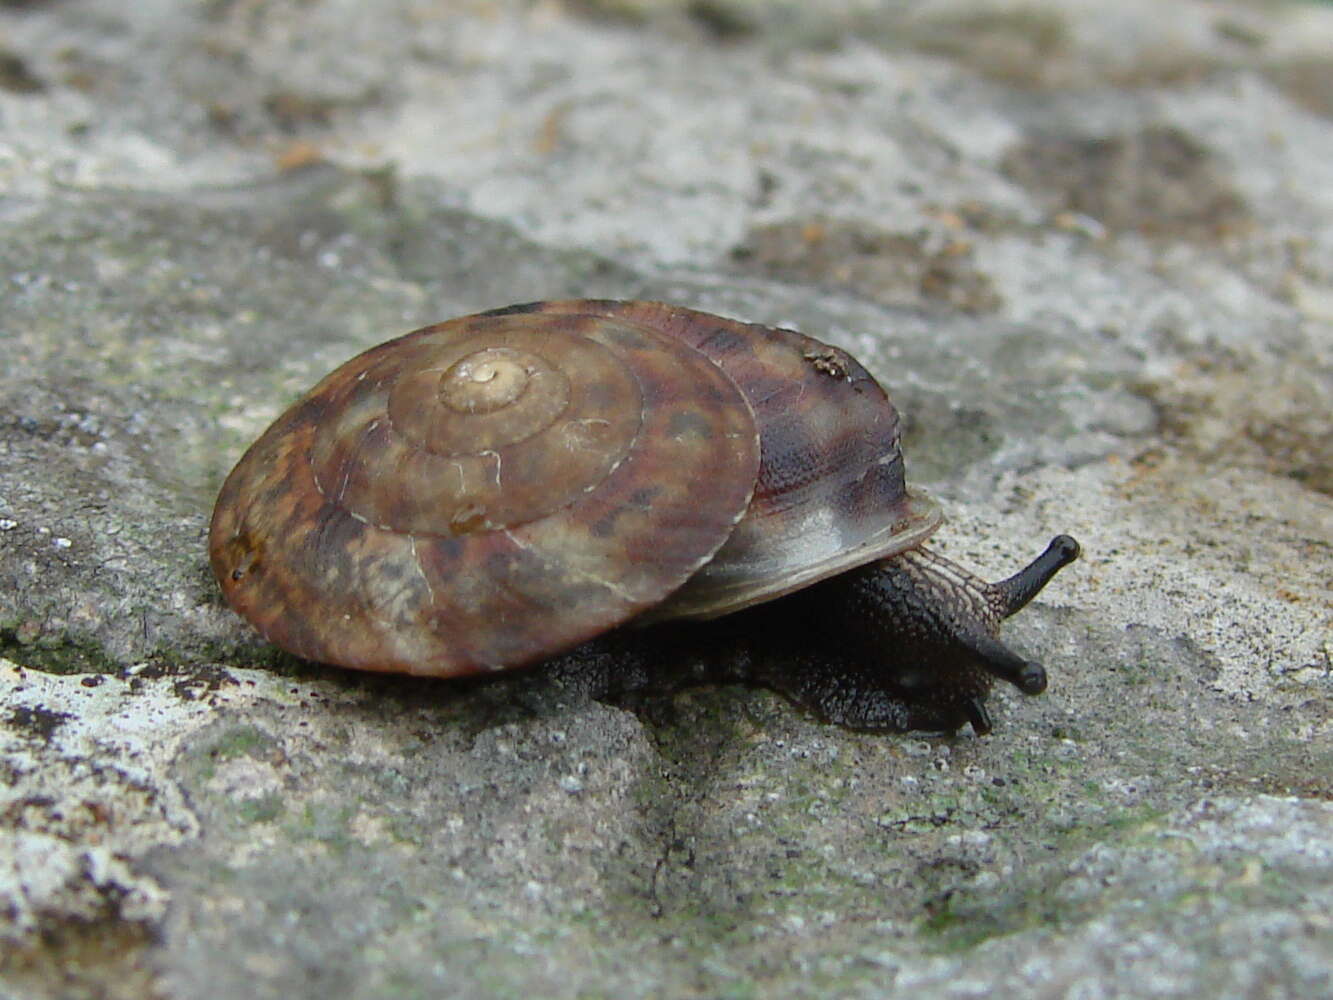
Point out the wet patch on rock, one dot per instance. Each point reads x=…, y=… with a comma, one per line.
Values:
x=1308, y=81
x=1021, y=45
x=105, y=958
x=1158, y=182
x=1277, y=421
x=16, y=76
x=886, y=267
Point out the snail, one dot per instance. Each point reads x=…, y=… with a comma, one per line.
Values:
x=509, y=487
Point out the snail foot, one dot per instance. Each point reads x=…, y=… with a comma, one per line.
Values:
x=978, y=716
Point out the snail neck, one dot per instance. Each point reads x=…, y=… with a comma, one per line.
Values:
x=908, y=642
x=936, y=618
x=927, y=629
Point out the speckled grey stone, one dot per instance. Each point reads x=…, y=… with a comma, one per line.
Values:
x=1089, y=248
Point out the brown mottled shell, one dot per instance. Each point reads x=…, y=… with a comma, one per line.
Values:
x=488, y=491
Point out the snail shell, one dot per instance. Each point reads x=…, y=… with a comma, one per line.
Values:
x=485, y=492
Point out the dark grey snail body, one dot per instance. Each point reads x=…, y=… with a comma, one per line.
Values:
x=906, y=643
x=506, y=488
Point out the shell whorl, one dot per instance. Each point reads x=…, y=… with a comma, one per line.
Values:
x=495, y=427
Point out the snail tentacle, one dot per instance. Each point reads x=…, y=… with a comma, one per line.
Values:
x=1014, y=593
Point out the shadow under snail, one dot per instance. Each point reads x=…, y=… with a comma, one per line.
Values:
x=506, y=488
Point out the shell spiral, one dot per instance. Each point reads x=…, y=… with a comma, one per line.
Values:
x=479, y=493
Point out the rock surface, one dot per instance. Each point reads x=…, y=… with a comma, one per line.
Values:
x=1089, y=248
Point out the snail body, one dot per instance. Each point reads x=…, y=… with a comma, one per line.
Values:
x=508, y=487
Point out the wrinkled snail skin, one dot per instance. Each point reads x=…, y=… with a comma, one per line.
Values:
x=905, y=643
x=911, y=642
x=507, y=488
